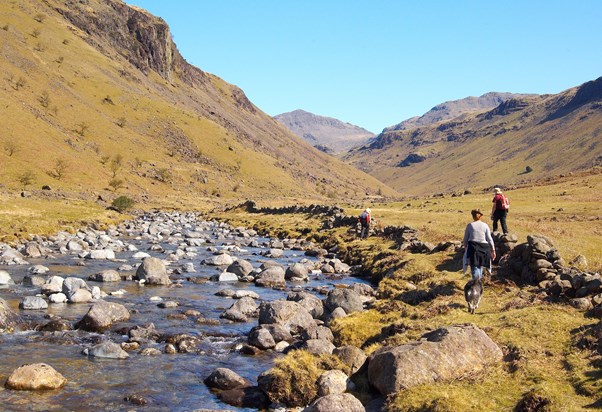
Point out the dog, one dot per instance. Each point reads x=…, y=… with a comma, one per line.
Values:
x=473, y=291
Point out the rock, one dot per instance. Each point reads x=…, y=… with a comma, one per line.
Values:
x=318, y=332
x=274, y=253
x=579, y=261
x=347, y=299
x=37, y=376
x=225, y=277
x=150, y=352
x=446, y=354
x=33, y=303
x=222, y=259
x=309, y=301
x=34, y=280
x=223, y=379
x=106, y=276
x=8, y=318
x=297, y=271
x=153, y=271
x=351, y=356
x=5, y=278
x=100, y=254
x=102, y=315
x=261, y=338
x=57, y=325
x=106, y=349
x=71, y=287
x=143, y=333
x=38, y=270
x=58, y=298
x=332, y=382
x=291, y=315
x=81, y=296
x=239, y=311
x=53, y=285
x=341, y=402
x=581, y=304
x=271, y=277
x=247, y=397
x=240, y=268
x=318, y=346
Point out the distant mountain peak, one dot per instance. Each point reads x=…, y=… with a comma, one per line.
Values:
x=325, y=133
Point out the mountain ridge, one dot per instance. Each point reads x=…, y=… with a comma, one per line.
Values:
x=327, y=133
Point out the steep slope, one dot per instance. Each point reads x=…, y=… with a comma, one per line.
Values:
x=455, y=108
x=96, y=96
x=520, y=140
x=326, y=133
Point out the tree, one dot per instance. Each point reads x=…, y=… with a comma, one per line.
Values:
x=26, y=178
x=116, y=164
x=116, y=184
x=60, y=168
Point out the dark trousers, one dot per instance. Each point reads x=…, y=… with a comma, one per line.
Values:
x=364, y=230
x=500, y=215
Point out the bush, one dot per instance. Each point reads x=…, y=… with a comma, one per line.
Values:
x=122, y=203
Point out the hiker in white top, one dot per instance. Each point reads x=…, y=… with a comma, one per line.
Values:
x=478, y=245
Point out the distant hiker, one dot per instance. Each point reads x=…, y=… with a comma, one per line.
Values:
x=499, y=209
x=365, y=220
x=479, y=249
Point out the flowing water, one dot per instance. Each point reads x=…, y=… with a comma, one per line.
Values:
x=170, y=382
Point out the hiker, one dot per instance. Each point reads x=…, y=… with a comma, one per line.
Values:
x=499, y=209
x=479, y=249
x=365, y=220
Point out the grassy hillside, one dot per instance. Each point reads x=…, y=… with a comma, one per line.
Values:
x=92, y=106
x=518, y=142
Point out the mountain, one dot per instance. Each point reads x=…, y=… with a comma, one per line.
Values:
x=455, y=108
x=97, y=99
x=327, y=134
x=522, y=139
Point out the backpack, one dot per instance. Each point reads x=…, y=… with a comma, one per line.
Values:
x=364, y=218
x=505, y=203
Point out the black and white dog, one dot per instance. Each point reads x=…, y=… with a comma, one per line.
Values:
x=473, y=292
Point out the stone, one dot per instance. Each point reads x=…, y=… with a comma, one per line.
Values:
x=101, y=254
x=352, y=356
x=291, y=315
x=33, y=303
x=5, y=278
x=107, y=349
x=102, y=315
x=297, y=271
x=153, y=271
x=106, y=276
x=332, y=382
x=338, y=402
x=223, y=379
x=222, y=259
x=37, y=376
x=347, y=299
x=240, y=267
x=443, y=355
x=271, y=277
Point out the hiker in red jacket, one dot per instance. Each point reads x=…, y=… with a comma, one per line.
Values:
x=365, y=220
x=499, y=209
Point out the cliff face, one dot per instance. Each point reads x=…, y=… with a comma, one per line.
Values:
x=92, y=80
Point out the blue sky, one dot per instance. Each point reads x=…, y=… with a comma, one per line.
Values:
x=376, y=63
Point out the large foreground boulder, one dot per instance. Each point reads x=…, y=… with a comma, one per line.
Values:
x=102, y=315
x=442, y=355
x=37, y=376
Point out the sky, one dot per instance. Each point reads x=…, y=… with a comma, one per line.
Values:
x=375, y=63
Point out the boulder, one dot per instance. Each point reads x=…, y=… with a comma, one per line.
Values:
x=5, y=278
x=352, y=356
x=318, y=346
x=240, y=268
x=297, y=271
x=33, y=303
x=53, y=285
x=37, y=376
x=246, y=397
x=339, y=402
x=72, y=285
x=107, y=349
x=101, y=254
x=221, y=259
x=291, y=315
x=261, y=338
x=347, y=299
x=271, y=277
x=106, y=276
x=223, y=378
x=102, y=315
x=309, y=301
x=153, y=271
x=8, y=318
x=333, y=382
x=442, y=355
